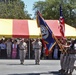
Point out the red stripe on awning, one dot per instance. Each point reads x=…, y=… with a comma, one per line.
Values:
x=53, y=24
x=20, y=29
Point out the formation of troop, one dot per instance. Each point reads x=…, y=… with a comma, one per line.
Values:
x=19, y=49
x=68, y=57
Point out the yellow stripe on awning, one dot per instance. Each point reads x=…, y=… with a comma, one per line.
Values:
x=34, y=31
x=70, y=32
x=6, y=27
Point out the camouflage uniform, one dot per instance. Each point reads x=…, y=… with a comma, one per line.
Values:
x=72, y=57
x=63, y=60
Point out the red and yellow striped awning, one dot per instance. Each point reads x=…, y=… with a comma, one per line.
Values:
x=19, y=28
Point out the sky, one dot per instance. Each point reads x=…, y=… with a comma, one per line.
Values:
x=29, y=5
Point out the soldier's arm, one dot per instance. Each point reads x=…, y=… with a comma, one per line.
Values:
x=26, y=46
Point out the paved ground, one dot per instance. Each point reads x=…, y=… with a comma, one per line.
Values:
x=46, y=67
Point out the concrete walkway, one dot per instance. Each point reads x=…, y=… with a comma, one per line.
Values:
x=46, y=67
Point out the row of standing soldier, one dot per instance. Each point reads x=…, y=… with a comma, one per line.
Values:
x=67, y=58
x=37, y=45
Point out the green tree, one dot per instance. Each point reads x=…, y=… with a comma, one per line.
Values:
x=13, y=9
x=50, y=10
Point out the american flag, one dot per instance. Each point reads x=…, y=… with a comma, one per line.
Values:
x=62, y=23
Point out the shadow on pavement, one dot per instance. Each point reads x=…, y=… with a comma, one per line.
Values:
x=21, y=64
x=43, y=73
x=55, y=73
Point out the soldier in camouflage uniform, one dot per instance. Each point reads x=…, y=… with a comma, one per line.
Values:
x=72, y=57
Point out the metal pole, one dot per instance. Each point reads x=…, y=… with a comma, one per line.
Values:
x=29, y=48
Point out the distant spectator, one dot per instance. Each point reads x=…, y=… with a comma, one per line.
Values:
x=14, y=49
x=55, y=52
x=9, y=46
x=3, y=49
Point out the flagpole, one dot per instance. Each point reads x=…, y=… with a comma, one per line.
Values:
x=29, y=48
x=59, y=44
